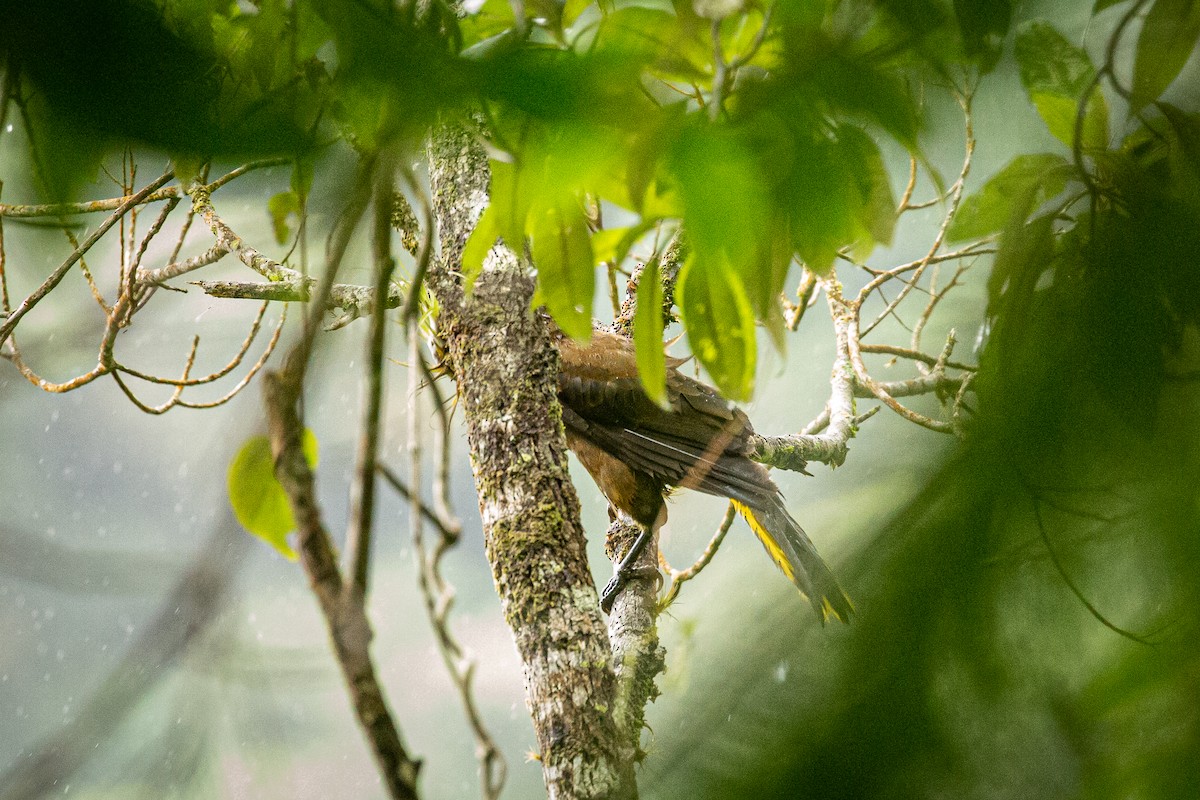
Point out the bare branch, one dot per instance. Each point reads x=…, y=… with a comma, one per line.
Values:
x=27, y=211
x=956, y=192
x=360, y=299
x=805, y=297
x=230, y=242
x=913, y=355
x=436, y=592
x=344, y=616
x=60, y=272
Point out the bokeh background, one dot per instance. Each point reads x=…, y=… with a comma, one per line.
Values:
x=153, y=649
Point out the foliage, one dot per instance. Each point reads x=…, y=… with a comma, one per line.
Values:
x=755, y=129
x=758, y=134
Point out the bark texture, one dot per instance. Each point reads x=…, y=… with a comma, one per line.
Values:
x=506, y=370
x=638, y=658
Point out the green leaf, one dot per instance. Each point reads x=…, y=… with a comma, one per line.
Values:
x=858, y=85
x=824, y=203
x=493, y=18
x=1055, y=74
x=302, y=176
x=258, y=500
x=648, y=334
x=878, y=210
x=983, y=27
x=573, y=8
x=1186, y=128
x=991, y=209
x=187, y=168
x=281, y=206
x=479, y=244
x=723, y=192
x=562, y=253
x=640, y=35
x=720, y=324
x=509, y=197
x=611, y=245
x=1165, y=44
x=1103, y=4
x=1183, y=155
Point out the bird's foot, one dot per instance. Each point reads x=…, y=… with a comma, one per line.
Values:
x=620, y=578
x=611, y=589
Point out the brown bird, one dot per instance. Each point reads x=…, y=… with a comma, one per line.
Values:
x=637, y=451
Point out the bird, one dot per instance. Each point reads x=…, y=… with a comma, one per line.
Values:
x=637, y=451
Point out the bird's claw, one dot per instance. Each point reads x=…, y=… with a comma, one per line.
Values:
x=611, y=589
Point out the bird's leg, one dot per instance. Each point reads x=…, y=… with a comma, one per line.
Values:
x=624, y=569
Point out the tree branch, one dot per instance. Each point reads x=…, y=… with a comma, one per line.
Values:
x=345, y=616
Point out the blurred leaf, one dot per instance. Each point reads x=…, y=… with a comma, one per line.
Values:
x=1055, y=74
x=187, y=168
x=258, y=500
x=548, y=11
x=611, y=245
x=719, y=323
x=745, y=30
x=1103, y=4
x=654, y=37
x=481, y=241
x=510, y=195
x=493, y=18
x=1167, y=41
x=648, y=333
x=717, y=9
x=825, y=205
x=878, y=214
x=302, y=176
x=562, y=254
x=725, y=206
x=1025, y=183
x=984, y=27
x=280, y=207
x=1184, y=152
x=573, y=8
x=114, y=72
x=1025, y=253
x=267, y=30
x=853, y=84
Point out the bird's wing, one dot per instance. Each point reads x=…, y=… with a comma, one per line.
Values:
x=699, y=443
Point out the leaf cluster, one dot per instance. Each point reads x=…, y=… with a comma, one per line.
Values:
x=752, y=126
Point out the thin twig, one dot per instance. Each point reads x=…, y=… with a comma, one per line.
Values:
x=56, y=277
x=436, y=592
x=362, y=489
x=681, y=576
x=956, y=193
x=1075, y=590
x=111, y=204
x=913, y=355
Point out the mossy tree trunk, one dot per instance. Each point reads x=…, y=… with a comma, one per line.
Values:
x=506, y=369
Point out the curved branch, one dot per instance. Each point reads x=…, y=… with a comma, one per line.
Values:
x=61, y=271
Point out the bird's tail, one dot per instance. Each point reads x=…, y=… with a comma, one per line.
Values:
x=793, y=552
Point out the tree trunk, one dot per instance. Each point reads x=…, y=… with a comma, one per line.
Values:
x=507, y=371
